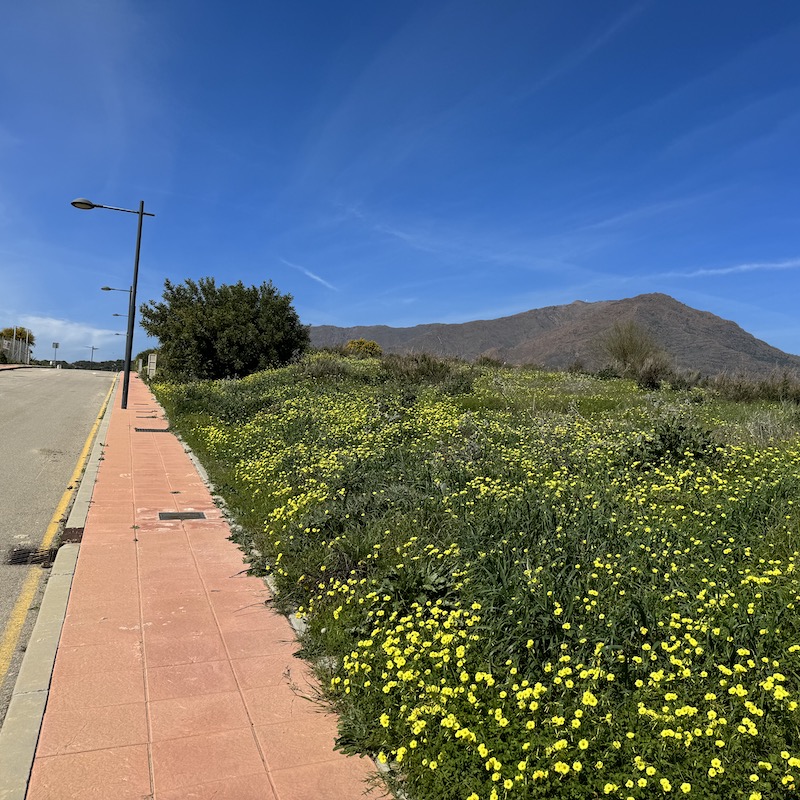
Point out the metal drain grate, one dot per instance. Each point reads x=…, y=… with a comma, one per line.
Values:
x=31, y=555
x=181, y=515
x=153, y=430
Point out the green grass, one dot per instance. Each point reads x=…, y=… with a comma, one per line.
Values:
x=526, y=584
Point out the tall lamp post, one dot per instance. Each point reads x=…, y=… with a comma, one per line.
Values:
x=85, y=204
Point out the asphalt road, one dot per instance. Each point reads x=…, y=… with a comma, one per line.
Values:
x=45, y=418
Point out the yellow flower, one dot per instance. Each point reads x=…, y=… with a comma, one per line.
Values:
x=588, y=699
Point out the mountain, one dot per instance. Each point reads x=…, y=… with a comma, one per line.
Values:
x=562, y=336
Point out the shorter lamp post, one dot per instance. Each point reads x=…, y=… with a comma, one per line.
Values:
x=91, y=355
x=85, y=204
x=128, y=340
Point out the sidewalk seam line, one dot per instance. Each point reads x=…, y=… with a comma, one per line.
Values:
x=148, y=716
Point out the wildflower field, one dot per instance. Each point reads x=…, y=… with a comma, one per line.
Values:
x=521, y=584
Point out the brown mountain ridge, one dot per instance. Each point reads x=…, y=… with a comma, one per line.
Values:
x=559, y=337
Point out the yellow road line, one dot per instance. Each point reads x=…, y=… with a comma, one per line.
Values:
x=16, y=620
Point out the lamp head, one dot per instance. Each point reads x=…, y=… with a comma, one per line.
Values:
x=106, y=289
x=83, y=203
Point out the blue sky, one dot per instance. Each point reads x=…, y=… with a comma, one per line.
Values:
x=400, y=162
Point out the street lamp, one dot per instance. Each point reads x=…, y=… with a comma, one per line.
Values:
x=93, y=348
x=85, y=205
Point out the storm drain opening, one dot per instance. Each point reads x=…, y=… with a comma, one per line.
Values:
x=181, y=515
x=28, y=556
x=153, y=430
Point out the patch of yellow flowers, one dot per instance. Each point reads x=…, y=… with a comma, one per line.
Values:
x=548, y=617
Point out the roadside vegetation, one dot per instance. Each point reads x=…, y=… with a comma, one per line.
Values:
x=521, y=584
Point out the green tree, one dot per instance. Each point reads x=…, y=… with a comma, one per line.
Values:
x=207, y=331
x=22, y=334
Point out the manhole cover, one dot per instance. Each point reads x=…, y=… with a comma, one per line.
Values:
x=181, y=515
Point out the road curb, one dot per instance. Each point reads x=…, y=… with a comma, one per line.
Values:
x=73, y=529
x=19, y=734
x=20, y=731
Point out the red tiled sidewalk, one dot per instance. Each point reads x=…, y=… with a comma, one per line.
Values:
x=173, y=679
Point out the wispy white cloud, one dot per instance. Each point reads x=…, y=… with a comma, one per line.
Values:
x=508, y=246
x=75, y=339
x=578, y=56
x=753, y=266
x=648, y=210
x=309, y=274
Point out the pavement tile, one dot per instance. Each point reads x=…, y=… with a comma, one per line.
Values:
x=212, y=533
x=178, y=717
x=119, y=687
x=342, y=779
x=169, y=607
x=243, y=611
x=160, y=570
x=248, y=787
x=165, y=649
x=190, y=680
x=267, y=671
x=181, y=584
x=69, y=729
x=180, y=626
x=104, y=587
x=121, y=773
x=227, y=579
x=245, y=644
x=84, y=611
x=99, y=629
x=99, y=568
x=111, y=515
x=268, y=705
x=106, y=547
x=80, y=662
x=213, y=565
x=193, y=760
x=112, y=534
x=152, y=602
x=286, y=744
x=160, y=579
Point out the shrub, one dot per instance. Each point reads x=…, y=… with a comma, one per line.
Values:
x=363, y=348
x=777, y=387
x=451, y=376
x=655, y=370
x=673, y=439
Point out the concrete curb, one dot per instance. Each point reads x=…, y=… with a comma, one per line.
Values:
x=73, y=529
x=20, y=732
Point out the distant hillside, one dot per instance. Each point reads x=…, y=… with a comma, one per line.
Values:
x=562, y=336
